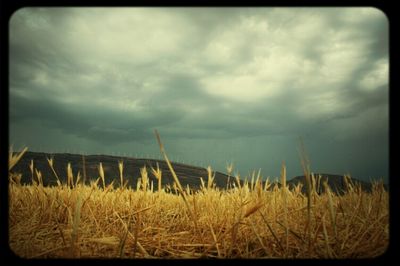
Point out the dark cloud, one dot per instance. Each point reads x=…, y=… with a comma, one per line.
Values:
x=92, y=122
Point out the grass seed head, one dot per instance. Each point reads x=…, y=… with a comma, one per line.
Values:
x=121, y=174
x=101, y=173
x=14, y=158
x=70, y=176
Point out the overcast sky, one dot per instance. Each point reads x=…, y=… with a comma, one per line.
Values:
x=221, y=85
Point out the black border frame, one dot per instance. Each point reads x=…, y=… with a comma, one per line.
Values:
x=7, y=8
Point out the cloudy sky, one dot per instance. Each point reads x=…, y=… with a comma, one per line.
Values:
x=221, y=85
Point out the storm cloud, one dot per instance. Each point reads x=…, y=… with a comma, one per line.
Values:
x=219, y=84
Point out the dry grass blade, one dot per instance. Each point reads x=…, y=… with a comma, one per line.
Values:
x=15, y=178
x=158, y=174
x=121, y=173
x=258, y=187
x=297, y=235
x=84, y=169
x=210, y=178
x=137, y=243
x=229, y=169
x=267, y=184
x=203, y=185
x=138, y=184
x=39, y=177
x=272, y=231
x=258, y=237
x=123, y=240
x=234, y=233
x=331, y=207
x=94, y=184
x=318, y=187
x=75, y=225
x=70, y=176
x=348, y=183
x=237, y=177
x=328, y=249
x=252, y=209
x=109, y=188
x=101, y=173
x=31, y=168
x=215, y=240
x=284, y=196
x=13, y=159
x=144, y=178
x=305, y=163
x=107, y=240
x=136, y=234
x=78, y=178
x=313, y=184
x=178, y=184
x=51, y=164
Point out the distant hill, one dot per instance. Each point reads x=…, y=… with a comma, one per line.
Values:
x=335, y=182
x=187, y=174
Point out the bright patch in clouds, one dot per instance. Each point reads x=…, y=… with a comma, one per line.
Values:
x=377, y=77
x=243, y=88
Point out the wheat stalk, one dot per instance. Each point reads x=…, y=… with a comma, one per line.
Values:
x=75, y=225
x=13, y=159
x=144, y=178
x=70, y=176
x=101, y=173
x=31, y=168
x=51, y=164
x=284, y=196
x=121, y=175
x=178, y=184
x=39, y=177
x=158, y=174
x=210, y=178
x=305, y=163
x=330, y=206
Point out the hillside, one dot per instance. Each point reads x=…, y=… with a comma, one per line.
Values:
x=188, y=174
x=335, y=182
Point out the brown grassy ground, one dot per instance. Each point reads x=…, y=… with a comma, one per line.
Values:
x=249, y=221
x=241, y=223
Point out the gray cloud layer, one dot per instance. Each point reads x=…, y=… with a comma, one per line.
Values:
x=246, y=80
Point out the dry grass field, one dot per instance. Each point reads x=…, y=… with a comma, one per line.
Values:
x=246, y=221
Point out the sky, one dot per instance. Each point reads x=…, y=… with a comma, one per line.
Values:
x=221, y=85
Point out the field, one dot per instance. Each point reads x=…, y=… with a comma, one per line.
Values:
x=248, y=220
